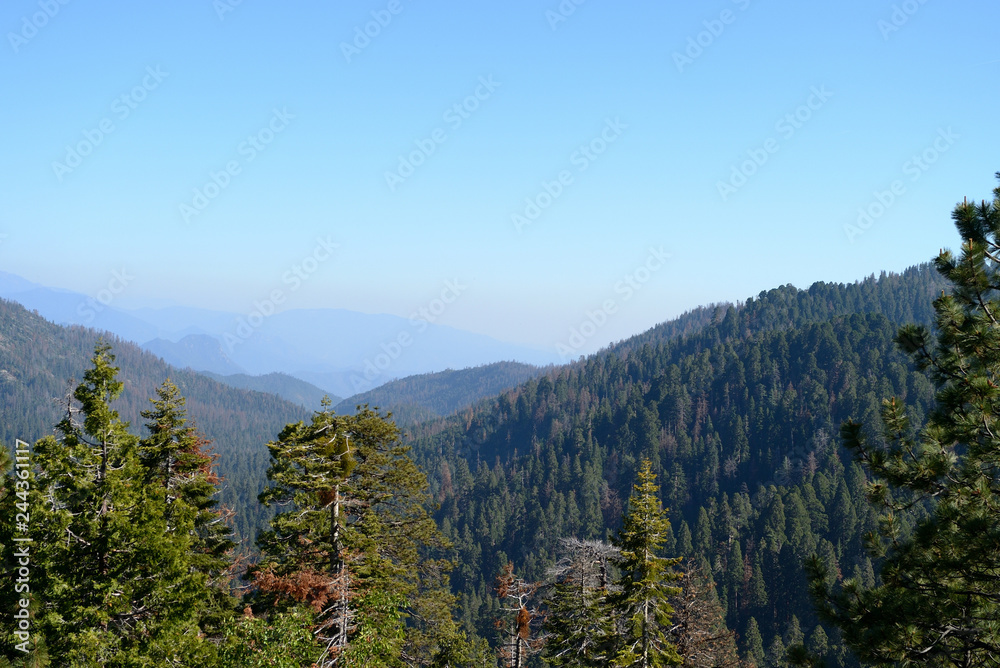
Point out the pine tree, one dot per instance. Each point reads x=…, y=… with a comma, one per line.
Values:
x=939, y=598
x=753, y=645
x=818, y=643
x=776, y=653
x=114, y=579
x=642, y=603
x=354, y=544
x=177, y=459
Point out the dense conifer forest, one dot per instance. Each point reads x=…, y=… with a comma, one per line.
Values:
x=740, y=420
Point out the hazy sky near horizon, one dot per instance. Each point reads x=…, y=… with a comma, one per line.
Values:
x=541, y=164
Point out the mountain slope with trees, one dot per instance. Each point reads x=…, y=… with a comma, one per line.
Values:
x=739, y=420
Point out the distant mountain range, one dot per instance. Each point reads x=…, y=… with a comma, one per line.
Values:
x=342, y=352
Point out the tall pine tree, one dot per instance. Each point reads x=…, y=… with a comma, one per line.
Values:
x=176, y=458
x=642, y=603
x=355, y=544
x=938, y=602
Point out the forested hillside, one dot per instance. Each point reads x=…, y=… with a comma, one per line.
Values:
x=432, y=395
x=38, y=360
x=740, y=420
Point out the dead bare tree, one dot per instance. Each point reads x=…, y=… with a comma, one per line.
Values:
x=520, y=624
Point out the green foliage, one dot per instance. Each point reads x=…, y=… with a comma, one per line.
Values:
x=937, y=599
x=734, y=405
x=176, y=459
x=113, y=574
x=643, y=601
x=355, y=543
x=134, y=547
x=281, y=641
x=753, y=645
x=739, y=407
x=580, y=626
x=37, y=358
x=377, y=638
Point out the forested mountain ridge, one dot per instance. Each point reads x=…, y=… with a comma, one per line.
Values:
x=38, y=359
x=901, y=297
x=740, y=419
x=287, y=387
x=427, y=396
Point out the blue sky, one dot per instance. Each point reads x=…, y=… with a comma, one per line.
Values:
x=739, y=138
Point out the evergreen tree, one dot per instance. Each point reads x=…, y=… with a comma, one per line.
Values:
x=939, y=598
x=175, y=457
x=643, y=601
x=354, y=543
x=776, y=654
x=818, y=643
x=579, y=624
x=115, y=583
x=753, y=645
